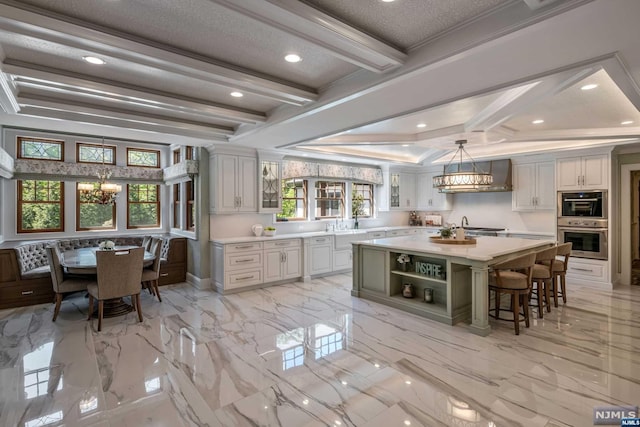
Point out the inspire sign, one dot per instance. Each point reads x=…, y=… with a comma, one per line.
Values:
x=428, y=269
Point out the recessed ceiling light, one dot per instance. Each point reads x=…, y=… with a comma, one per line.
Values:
x=237, y=94
x=387, y=1
x=537, y=122
x=292, y=57
x=94, y=60
x=589, y=86
x=421, y=125
x=405, y=145
x=626, y=122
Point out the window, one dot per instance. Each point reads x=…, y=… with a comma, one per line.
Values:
x=190, y=211
x=143, y=205
x=176, y=205
x=142, y=157
x=176, y=156
x=190, y=153
x=40, y=206
x=40, y=149
x=93, y=216
x=91, y=153
x=362, y=197
x=329, y=199
x=294, y=200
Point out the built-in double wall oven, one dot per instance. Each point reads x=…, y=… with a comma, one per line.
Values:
x=582, y=220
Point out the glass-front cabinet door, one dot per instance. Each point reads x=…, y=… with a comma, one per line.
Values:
x=270, y=185
x=394, y=191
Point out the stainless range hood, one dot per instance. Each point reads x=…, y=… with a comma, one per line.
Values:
x=499, y=169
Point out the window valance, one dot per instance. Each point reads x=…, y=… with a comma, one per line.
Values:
x=302, y=169
x=63, y=171
x=181, y=172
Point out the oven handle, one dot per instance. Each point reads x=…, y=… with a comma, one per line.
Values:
x=595, y=230
x=580, y=200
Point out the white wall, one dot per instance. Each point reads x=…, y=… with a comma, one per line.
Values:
x=494, y=210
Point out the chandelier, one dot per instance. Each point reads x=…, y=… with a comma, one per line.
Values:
x=104, y=193
x=459, y=180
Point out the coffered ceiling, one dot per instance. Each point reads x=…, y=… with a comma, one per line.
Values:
x=371, y=71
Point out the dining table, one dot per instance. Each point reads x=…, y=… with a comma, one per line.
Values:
x=83, y=261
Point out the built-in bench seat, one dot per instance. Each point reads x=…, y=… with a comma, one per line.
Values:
x=25, y=276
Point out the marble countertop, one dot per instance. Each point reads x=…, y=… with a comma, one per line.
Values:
x=245, y=239
x=528, y=233
x=485, y=249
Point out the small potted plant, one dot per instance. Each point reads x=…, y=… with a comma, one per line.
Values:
x=403, y=261
x=270, y=231
x=446, y=233
x=357, y=208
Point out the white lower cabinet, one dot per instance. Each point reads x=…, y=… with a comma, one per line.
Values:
x=241, y=265
x=282, y=260
x=585, y=271
x=342, y=260
x=320, y=255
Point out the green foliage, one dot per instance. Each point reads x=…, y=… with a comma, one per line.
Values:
x=41, y=209
x=96, y=216
x=357, y=205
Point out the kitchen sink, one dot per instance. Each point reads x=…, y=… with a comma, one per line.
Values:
x=348, y=231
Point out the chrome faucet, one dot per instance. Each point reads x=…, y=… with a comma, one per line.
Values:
x=464, y=219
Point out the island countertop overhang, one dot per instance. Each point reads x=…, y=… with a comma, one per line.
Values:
x=486, y=249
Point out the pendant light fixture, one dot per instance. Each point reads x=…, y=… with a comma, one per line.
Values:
x=457, y=180
x=106, y=193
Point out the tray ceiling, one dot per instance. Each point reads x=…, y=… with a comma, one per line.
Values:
x=370, y=72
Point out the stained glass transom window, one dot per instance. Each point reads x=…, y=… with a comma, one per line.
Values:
x=91, y=153
x=145, y=158
x=41, y=149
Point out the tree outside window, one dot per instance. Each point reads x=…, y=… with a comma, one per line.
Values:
x=294, y=200
x=143, y=205
x=362, y=198
x=93, y=216
x=40, y=206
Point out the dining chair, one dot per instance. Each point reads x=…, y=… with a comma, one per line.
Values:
x=119, y=275
x=151, y=274
x=62, y=283
x=146, y=242
x=542, y=277
x=559, y=271
x=513, y=277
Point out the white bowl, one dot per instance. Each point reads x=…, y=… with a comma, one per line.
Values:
x=269, y=233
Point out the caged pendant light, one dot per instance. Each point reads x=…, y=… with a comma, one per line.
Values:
x=457, y=180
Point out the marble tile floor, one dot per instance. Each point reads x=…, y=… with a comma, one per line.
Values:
x=309, y=354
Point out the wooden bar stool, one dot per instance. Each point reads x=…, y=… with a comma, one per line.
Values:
x=559, y=271
x=542, y=277
x=513, y=277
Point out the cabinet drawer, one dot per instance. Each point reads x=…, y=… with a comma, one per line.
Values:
x=376, y=235
x=323, y=240
x=593, y=270
x=25, y=294
x=243, y=278
x=277, y=244
x=243, y=247
x=236, y=261
x=173, y=274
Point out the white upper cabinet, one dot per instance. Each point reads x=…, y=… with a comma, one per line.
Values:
x=402, y=191
x=583, y=173
x=428, y=198
x=533, y=186
x=234, y=186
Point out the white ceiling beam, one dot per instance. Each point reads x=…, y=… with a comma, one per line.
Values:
x=53, y=80
x=576, y=134
x=46, y=107
x=305, y=22
x=33, y=22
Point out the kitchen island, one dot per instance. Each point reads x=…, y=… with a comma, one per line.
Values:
x=457, y=276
